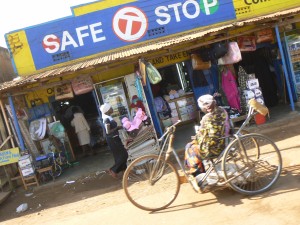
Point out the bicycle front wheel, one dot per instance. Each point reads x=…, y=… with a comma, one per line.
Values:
x=252, y=164
x=151, y=183
x=56, y=172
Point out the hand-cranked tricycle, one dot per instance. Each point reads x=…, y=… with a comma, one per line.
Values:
x=250, y=164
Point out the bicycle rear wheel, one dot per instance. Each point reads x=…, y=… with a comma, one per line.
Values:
x=150, y=183
x=252, y=163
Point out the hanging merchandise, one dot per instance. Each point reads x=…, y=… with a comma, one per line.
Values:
x=246, y=43
x=229, y=86
x=82, y=85
x=39, y=111
x=133, y=127
x=252, y=84
x=233, y=55
x=243, y=77
x=219, y=49
x=139, y=88
x=215, y=52
x=198, y=63
x=136, y=103
x=265, y=35
x=63, y=92
x=57, y=130
x=205, y=54
x=152, y=73
x=147, y=69
x=162, y=107
x=37, y=129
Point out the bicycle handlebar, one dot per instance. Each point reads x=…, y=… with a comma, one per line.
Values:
x=169, y=129
x=258, y=107
x=254, y=107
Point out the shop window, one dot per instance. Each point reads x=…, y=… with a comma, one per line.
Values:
x=174, y=77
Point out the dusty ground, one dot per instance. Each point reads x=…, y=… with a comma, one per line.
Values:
x=95, y=192
x=57, y=194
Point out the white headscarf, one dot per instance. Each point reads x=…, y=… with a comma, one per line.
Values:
x=205, y=99
x=104, y=108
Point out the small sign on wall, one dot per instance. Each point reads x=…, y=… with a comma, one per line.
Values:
x=63, y=91
x=9, y=156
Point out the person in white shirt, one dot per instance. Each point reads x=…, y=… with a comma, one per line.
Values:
x=82, y=130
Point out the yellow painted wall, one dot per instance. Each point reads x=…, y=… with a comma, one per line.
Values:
x=21, y=53
x=96, y=6
x=246, y=9
x=166, y=60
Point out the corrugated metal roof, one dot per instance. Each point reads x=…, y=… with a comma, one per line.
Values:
x=131, y=51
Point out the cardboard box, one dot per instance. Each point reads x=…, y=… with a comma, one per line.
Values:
x=25, y=161
x=257, y=92
x=182, y=102
x=174, y=113
x=172, y=105
x=191, y=108
x=183, y=110
x=249, y=94
x=28, y=171
x=252, y=84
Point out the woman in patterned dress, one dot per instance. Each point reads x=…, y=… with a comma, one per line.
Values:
x=208, y=143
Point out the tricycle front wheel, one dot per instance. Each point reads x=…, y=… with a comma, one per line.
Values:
x=150, y=183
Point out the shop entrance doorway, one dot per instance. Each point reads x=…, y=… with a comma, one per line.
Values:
x=88, y=106
x=261, y=63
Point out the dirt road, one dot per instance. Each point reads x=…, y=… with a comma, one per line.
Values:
x=99, y=199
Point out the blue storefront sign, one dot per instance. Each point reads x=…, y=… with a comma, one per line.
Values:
x=76, y=37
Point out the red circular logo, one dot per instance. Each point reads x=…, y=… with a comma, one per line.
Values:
x=130, y=24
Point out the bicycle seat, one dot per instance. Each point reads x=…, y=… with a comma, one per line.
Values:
x=41, y=157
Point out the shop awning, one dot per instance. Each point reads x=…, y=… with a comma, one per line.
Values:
x=140, y=49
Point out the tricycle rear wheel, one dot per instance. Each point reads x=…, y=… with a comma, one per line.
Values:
x=252, y=164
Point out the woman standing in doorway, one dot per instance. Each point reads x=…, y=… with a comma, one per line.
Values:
x=113, y=140
x=82, y=130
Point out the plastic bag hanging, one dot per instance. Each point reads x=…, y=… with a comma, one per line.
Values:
x=147, y=69
x=153, y=74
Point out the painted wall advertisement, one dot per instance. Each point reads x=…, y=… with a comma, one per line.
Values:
x=124, y=24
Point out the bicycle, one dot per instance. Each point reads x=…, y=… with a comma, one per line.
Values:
x=57, y=160
x=250, y=164
x=54, y=159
